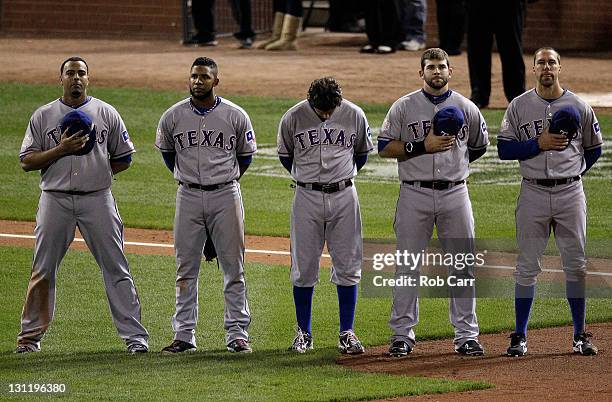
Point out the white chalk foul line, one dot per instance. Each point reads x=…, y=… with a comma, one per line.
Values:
x=275, y=252
x=555, y=271
x=161, y=245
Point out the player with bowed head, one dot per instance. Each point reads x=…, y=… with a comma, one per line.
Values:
x=323, y=141
x=556, y=138
x=433, y=168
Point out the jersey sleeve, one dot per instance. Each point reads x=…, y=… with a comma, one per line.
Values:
x=246, y=143
x=591, y=131
x=119, y=143
x=363, y=143
x=163, y=137
x=478, y=133
x=32, y=141
x=392, y=125
x=284, y=139
x=509, y=127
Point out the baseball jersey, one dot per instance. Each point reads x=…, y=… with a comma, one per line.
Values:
x=90, y=172
x=323, y=151
x=206, y=144
x=410, y=119
x=529, y=115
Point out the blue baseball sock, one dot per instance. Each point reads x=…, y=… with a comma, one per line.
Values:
x=523, y=299
x=302, y=297
x=575, y=292
x=347, y=300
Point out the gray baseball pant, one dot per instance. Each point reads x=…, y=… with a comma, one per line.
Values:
x=418, y=210
x=540, y=209
x=222, y=212
x=98, y=220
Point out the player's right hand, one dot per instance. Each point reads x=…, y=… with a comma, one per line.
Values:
x=438, y=143
x=70, y=144
x=555, y=142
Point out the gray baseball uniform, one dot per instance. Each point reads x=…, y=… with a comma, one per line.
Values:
x=323, y=153
x=420, y=208
x=76, y=193
x=207, y=146
x=560, y=207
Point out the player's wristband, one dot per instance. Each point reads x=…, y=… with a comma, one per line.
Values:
x=415, y=148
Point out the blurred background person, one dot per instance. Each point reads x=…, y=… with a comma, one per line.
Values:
x=287, y=21
x=413, y=14
x=383, y=26
x=345, y=16
x=504, y=21
x=451, y=25
x=202, y=12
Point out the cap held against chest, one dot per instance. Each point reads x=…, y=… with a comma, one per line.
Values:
x=448, y=121
x=77, y=121
x=565, y=121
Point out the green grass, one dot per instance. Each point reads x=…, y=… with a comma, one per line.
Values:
x=82, y=350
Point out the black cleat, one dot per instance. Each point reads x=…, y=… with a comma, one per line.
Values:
x=518, y=345
x=239, y=346
x=178, y=347
x=137, y=348
x=470, y=348
x=583, y=346
x=27, y=348
x=400, y=349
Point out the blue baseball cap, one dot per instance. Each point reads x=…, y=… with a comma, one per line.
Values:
x=77, y=121
x=565, y=121
x=448, y=121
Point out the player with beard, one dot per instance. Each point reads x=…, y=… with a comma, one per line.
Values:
x=208, y=143
x=433, y=168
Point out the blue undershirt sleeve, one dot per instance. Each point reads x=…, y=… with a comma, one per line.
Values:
x=521, y=150
x=382, y=143
x=360, y=160
x=169, y=160
x=590, y=157
x=474, y=154
x=245, y=160
x=124, y=159
x=287, y=162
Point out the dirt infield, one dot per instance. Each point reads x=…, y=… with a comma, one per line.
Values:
x=549, y=371
x=365, y=78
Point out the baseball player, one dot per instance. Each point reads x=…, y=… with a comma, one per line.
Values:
x=556, y=138
x=208, y=143
x=433, y=170
x=76, y=193
x=323, y=141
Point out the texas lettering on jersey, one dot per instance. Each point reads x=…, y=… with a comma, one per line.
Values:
x=331, y=136
x=55, y=134
x=207, y=138
x=420, y=129
x=534, y=128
